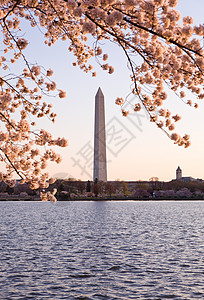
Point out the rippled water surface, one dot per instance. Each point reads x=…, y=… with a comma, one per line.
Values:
x=102, y=250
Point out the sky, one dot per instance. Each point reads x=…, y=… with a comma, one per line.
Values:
x=141, y=150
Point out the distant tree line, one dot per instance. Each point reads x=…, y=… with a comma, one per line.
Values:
x=68, y=188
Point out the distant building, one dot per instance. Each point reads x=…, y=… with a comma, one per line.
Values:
x=185, y=179
x=178, y=173
x=188, y=179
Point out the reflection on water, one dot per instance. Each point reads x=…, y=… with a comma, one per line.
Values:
x=102, y=250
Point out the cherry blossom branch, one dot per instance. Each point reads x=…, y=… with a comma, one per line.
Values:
x=10, y=162
x=170, y=40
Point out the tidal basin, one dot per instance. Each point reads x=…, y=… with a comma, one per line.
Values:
x=102, y=250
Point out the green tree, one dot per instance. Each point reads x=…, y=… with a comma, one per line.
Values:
x=96, y=187
x=88, y=186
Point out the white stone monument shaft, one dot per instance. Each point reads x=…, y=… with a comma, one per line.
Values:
x=100, y=168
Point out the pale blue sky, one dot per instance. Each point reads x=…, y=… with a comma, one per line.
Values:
x=143, y=150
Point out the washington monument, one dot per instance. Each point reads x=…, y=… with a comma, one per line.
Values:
x=100, y=169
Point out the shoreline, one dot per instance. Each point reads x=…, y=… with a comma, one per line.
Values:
x=28, y=199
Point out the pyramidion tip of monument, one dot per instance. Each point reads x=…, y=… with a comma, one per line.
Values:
x=99, y=91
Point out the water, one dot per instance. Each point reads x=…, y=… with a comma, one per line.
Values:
x=102, y=250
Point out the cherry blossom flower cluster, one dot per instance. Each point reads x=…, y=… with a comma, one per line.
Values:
x=162, y=53
x=49, y=196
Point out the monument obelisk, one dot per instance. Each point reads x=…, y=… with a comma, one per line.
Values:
x=100, y=168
